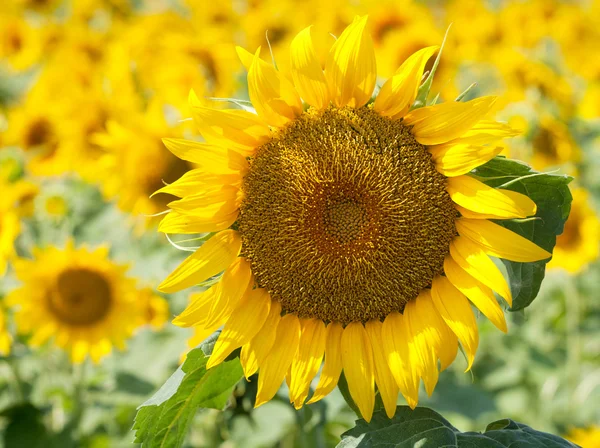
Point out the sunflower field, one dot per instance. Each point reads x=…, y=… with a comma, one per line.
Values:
x=299, y=223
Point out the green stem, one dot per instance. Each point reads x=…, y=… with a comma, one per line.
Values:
x=573, y=338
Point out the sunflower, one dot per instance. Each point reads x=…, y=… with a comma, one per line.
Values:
x=346, y=230
x=5, y=339
x=579, y=244
x=79, y=297
x=585, y=437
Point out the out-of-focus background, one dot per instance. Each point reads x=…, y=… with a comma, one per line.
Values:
x=89, y=87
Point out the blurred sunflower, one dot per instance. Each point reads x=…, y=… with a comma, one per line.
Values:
x=358, y=224
x=5, y=339
x=135, y=163
x=579, y=244
x=585, y=437
x=552, y=144
x=78, y=297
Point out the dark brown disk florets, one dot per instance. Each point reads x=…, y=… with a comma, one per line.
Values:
x=345, y=217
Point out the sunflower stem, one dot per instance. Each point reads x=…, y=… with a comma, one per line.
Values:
x=17, y=381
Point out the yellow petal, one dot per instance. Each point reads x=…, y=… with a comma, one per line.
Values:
x=332, y=368
x=275, y=366
x=500, y=242
x=307, y=72
x=243, y=324
x=395, y=348
x=236, y=279
x=307, y=361
x=79, y=351
x=185, y=223
x=357, y=359
x=245, y=56
x=210, y=158
x=231, y=128
x=474, y=260
x=421, y=344
x=481, y=198
x=254, y=352
x=486, y=131
x=456, y=311
x=399, y=92
x=478, y=293
x=212, y=257
x=472, y=215
x=198, y=180
x=214, y=203
x=383, y=376
x=351, y=69
x=457, y=160
x=439, y=335
x=443, y=122
x=196, y=312
x=272, y=94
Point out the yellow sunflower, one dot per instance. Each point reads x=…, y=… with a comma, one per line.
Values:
x=79, y=297
x=585, y=437
x=5, y=339
x=346, y=230
x=579, y=244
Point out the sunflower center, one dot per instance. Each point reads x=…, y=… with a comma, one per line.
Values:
x=81, y=297
x=345, y=217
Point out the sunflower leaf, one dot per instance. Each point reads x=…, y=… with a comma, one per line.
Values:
x=426, y=428
x=551, y=194
x=162, y=421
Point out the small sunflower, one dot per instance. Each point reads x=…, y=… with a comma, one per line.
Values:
x=77, y=296
x=345, y=231
x=579, y=244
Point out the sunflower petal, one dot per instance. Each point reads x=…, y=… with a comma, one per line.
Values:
x=478, y=293
x=196, y=312
x=351, y=69
x=395, y=347
x=215, y=202
x=213, y=159
x=211, y=258
x=307, y=73
x=243, y=324
x=443, y=122
x=184, y=223
x=307, y=361
x=231, y=128
x=500, y=242
x=256, y=350
x=399, y=92
x=421, y=344
x=357, y=359
x=236, y=279
x=481, y=198
x=275, y=366
x=439, y=335
x=470, y=257
x=272, y=94
x=383, y=376
x=457, y=160
x=471, y=214
x=456, y=311
x=199, y=180
x=332, y=368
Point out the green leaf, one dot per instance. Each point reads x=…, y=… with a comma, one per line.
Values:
x=551, y=194
x=425, y=428
x=162, y=421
